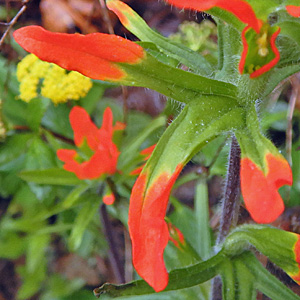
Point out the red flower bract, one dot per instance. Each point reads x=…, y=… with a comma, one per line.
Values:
x=241, y=9
x=296, y=249
x=148, y=229
x=293, y=10
x=94, y=55
x=105, y=152
x=259, y=190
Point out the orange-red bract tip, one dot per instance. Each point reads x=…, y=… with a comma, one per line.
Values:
x=260, y=191
x=240, y=8
x=293, y=10
x=94, y=55
x=109, y=199
x=296, y=277
x=176, y=236
x=120, y=8
x=148, y=229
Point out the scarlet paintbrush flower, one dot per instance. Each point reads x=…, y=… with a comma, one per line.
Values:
x=148, y=230
x=259, y=50
x=95, y=55
x=241, y=9
x=103, y=160
x=260, y=190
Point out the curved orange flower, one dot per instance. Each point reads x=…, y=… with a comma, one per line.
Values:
x=260, y=191
x=147, y=227
x=99, y=141
x=239, y=8
x=95, y=55
x=260, y=53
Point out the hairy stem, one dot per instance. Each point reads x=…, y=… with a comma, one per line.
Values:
x=230, y=206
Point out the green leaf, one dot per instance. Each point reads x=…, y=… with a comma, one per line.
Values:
x=12, y=245
x=56, y=119
x=202, y=220
x=266, y=282
x=245, y=287
x=13, y=148
x=35, y=111
x=74, y=195
x=90, y=101
x=276, y=244
x=84, y=217
x=178, y=279
x=176, y=83
x=130, y=150
x=39, y=155
x=36, y=249
x=54, y=176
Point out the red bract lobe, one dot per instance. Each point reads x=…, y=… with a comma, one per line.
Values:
x=296, y=249
x=260, y=191
x=148, y=229
x=120, y=9
x=105, y=153
x=94, y=55
x=266, y=67
x=241, y=9
x=293, y=10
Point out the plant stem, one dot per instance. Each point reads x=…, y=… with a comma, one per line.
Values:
x=230, y=206
x=113, y=253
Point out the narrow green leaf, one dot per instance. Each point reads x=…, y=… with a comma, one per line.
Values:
x=37, y=245
x=55, y=176
x=202, y=220
x=266, y=282
x=176, y=83
x=74, y=195
x=245, y=288
x=228, y=280
x=178, y=279
x=131, y=148
x=84, y=217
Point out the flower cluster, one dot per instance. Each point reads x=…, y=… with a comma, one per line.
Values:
x=96, y=144
x=57, y=84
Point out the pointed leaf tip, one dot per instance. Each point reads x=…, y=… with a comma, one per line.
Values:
x=94, y=55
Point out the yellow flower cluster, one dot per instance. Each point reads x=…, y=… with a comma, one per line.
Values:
x=49, y=80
